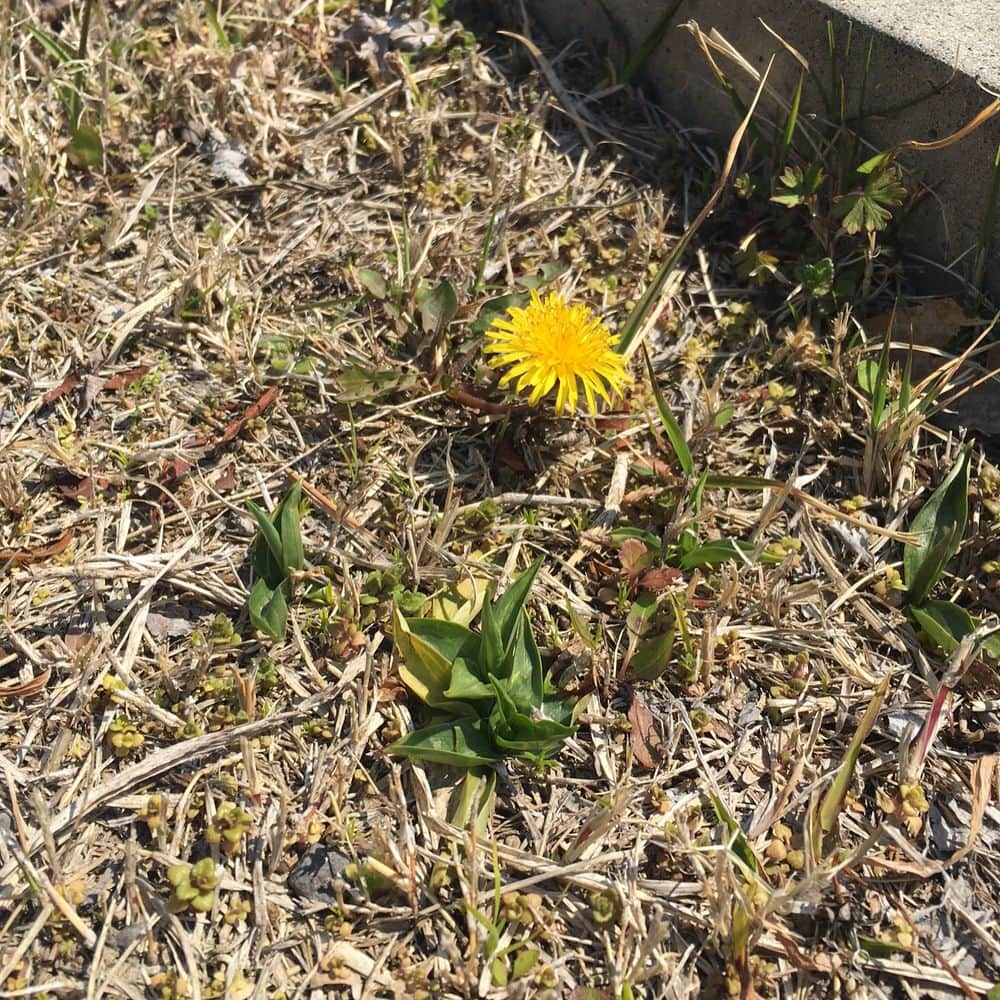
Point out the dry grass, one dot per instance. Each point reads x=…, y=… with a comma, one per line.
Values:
x=173, y=343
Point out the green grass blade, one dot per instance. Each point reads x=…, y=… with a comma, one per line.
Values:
x=791, y=123
x=833, y=801
x=670, y=425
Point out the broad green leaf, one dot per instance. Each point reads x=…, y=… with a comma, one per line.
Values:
x=939, y=528
x=509, y=605
x=438, y=308
x=559, y=709
x=373, y=283
x=870, y=209
x=867, y=376
x=461, y=600
x=877, y=162
x=740, y=846
x=652, y=656
x=463, y=743
x=491, y=309
x=427, y=650
x=833, y=800
x=289, y=528
x=523, y=676
x=358, y=385
x=266, y=544
x=948, y=624
x=642, y=613
x=525, y=960
x=882, y=948
x=512, y=730
x=450, y=639
x=674, y=433
x=465, y=685
x=722, y=551
x=268, y=609
x=491, y=644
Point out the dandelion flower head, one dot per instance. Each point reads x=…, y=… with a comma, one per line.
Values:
x=551, y=344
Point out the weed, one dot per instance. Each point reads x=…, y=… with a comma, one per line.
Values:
x=192, y=886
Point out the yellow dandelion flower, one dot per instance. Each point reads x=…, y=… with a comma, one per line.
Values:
x=551, y=343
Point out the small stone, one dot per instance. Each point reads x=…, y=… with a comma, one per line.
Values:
x=314, y=876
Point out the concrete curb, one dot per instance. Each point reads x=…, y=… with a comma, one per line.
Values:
x=914, y=89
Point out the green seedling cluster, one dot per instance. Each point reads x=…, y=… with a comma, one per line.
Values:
x=276, y=554
x=124, y=738
x=228, y=827
x=192, y=886
x=487, y=692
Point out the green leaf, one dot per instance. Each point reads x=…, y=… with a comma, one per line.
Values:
x=652, y=657
x=212, y=16
x=816, y=277
x=871, y=208
x=289, y=528
x=799, y=185
x=670, y=425
x=266, y=550
x=373, y=283
x=939, y=528
x=650, y=540
x=722, y=551
x=753, y=264
x=85, y=147
x=525, y=961
x=878, y=380
x=510, y=604
x=465, y=686
x=358, y=385
x=52, y=45
x=438, y=308
x=833, y=801
x=491, y=643
x=867, y=376
x=948, y=624
x=464, y=743
x=492, y=308
x=524, y=676
x=268, y=609
x=877, y=162
x=428, y=648
x=518, y=733
x=740, y=846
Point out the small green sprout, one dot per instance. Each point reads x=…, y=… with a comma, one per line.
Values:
x=193, y=886
x=154, y=813
x=124, y=738
x=276, y=554
x=605, y=907
x=169, y=986
x=238, y=912
x=228, y=827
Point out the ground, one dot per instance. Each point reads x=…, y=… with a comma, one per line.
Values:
x=252, y=247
